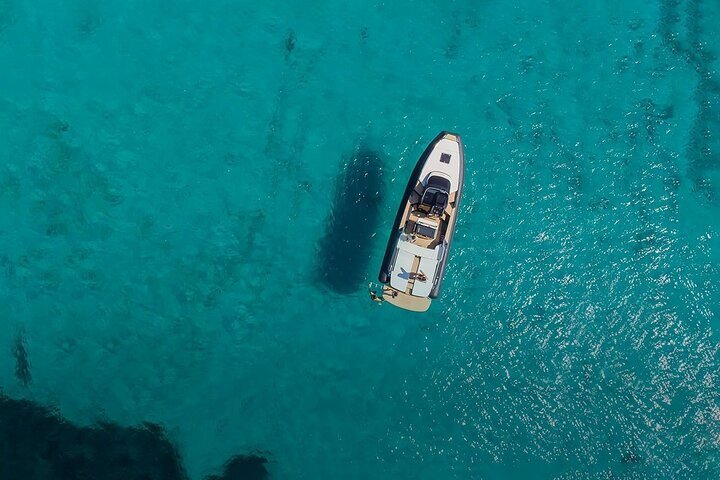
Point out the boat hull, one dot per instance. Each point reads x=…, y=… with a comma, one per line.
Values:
x=427, y=166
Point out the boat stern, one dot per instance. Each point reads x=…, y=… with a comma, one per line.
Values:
x=405, y=301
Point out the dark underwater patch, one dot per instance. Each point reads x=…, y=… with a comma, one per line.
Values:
x=244, y=467
x=631, y=457
x=38, y=444
x=8, y=267
x=655, y=117
x=527, y=64
x=7, y=14
x=703, y=146
x=290, y=41
x=344, y=250
x=452, y=48
x=704, y=188
x=89, y=22
x=644, y=241
x=22, y=363
x=600, y=204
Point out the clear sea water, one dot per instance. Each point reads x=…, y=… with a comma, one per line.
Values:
x=171, y=173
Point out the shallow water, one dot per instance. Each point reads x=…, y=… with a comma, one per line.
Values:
x=168, y=172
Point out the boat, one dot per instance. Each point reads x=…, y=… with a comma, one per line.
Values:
x=418, y=249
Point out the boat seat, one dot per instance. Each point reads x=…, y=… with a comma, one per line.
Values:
x=434, y=201
x=441, y=203
x=410, y=227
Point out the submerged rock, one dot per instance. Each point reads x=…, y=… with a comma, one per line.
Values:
x=38, y=444
x=243, y=467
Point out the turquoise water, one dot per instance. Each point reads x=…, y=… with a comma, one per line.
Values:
x=168, y=174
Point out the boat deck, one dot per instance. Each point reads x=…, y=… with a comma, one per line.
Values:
x=420, y=255
x=406, y=301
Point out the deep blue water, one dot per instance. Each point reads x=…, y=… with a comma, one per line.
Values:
x=176, y=178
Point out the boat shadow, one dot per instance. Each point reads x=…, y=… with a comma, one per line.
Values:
x=344, y=250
